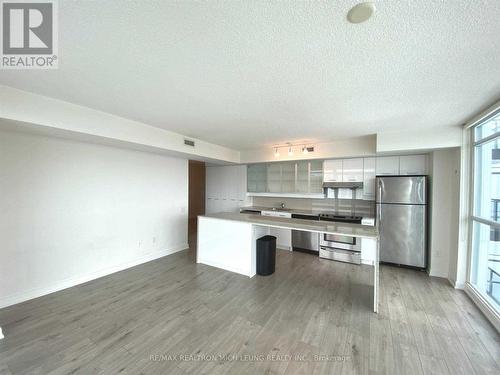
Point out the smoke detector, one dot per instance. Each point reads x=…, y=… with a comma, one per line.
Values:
x=361, y=12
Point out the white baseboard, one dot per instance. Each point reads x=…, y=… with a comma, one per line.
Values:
x=491, y=314
x=437, y=274
x=70, y=282
x=456, y=285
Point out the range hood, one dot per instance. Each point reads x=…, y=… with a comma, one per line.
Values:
x=342, y=185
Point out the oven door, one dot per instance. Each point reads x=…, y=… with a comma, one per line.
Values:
x=340, y=241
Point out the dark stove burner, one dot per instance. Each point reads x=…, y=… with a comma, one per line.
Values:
x=341, y=218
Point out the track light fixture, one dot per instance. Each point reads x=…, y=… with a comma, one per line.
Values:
x=290, y=146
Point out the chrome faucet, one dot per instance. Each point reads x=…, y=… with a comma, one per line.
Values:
x=282, y=204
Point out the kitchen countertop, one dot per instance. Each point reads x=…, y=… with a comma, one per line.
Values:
x=293, y=211
x=354, y=230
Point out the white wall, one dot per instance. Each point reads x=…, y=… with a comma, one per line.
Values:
x=57, y=116
x=72, y=211
x=445, y=187
x=458, y=270
x=419, y=140
x=350, y=147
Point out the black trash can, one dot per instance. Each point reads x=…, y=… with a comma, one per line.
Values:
x=266, y=255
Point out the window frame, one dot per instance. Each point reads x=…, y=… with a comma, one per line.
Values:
x=472, y=218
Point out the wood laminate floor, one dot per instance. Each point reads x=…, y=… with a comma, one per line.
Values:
x=312, y=316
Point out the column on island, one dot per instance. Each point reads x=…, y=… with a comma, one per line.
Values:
x=228, y=244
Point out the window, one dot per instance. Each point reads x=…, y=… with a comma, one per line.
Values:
x=485, y=254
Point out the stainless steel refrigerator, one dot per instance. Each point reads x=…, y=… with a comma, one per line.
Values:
x=402, y=219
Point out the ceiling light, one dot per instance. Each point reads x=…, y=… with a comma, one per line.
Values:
x=301, y=147
x=361, y=12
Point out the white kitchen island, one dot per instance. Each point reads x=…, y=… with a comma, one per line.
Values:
x=228, y=240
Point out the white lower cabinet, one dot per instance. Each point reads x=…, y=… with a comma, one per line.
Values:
x=283, y=238
x=368, y=250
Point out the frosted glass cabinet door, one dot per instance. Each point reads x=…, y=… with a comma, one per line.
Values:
x=257, y=178
x=316, y=176
x=302, y=185
x=242, y=182
x=251, y=179
x=288, y=177
x=274, y=177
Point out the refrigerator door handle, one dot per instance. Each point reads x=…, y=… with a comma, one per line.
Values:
x=379, y=187
x=378, y=220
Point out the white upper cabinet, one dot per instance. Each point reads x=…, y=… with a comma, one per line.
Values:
x=387, y=165
x=307, y=177
x=332, y=170
x=369, y=178
x=413, y=165
x=352, y=170
x=402, y=165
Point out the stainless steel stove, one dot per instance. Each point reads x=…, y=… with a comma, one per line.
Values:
x=339, y=247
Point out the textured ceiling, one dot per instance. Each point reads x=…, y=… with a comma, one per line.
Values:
x=246, y=74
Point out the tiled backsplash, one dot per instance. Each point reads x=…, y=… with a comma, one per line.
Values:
x=339, y=206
